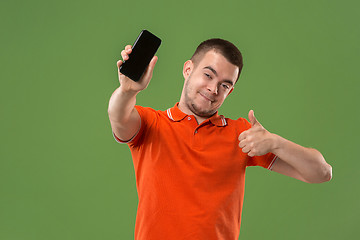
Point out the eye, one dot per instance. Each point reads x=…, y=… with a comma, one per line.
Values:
x=225, y=86
x=207, y=75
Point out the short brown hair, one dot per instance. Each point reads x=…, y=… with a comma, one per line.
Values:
x=224, y=47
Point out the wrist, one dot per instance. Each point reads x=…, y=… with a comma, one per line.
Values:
x=126, y=91
x=275, y=142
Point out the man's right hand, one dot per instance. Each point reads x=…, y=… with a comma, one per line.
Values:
x=124, y=118
x=126, y=84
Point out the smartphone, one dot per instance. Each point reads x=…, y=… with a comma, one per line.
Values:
x=142, y=52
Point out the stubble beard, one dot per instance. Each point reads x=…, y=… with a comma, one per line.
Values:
x=194, y=108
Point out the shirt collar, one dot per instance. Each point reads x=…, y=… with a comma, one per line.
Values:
x=176, y=115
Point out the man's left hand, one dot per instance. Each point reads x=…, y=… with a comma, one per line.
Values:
x=256, y=141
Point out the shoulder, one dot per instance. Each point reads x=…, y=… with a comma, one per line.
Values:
x=240, y=124
x=150, y=114
x=151, y=121
x=144, y=109
x=150, y=110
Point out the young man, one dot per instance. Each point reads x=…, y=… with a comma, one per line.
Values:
x=189, y=161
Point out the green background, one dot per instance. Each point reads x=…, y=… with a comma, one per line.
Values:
x=63, y=176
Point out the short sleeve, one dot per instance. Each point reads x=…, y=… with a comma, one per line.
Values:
x=265, y=161
x=147, y=118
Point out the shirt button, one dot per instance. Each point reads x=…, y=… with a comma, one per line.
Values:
x=189, y=118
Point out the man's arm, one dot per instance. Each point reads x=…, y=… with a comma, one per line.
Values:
x=124, y=119
x=305, y=164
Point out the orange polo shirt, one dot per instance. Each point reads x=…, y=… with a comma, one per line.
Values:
x=190, y=178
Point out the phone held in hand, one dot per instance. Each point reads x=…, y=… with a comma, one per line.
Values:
x=142, y=52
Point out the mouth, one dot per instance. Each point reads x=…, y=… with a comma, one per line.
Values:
x=208, y=98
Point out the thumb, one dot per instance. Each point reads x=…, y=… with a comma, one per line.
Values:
x=151, y=65
x=149, y=70
x=252, y=118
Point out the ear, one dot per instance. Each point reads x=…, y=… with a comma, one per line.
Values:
x=188, y=67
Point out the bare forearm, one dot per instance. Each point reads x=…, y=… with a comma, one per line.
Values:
x=121, y=105
x=309, y=162
x=124, y=119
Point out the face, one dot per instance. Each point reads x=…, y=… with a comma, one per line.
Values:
x=207, y=84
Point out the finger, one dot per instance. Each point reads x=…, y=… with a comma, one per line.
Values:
x=128, y=48
x=242, y=136
x=124, y=55
x=119, y=63
x=149, y=71
x=251, y=154
x=153, y=62
x=245, y=149
x=252, y=118
x=242, y=144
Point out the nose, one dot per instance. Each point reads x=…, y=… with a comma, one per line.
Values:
x=213, y=88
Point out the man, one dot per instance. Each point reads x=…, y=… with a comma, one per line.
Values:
x=189, y=161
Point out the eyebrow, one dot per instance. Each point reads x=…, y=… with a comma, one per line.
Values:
x=214, y=71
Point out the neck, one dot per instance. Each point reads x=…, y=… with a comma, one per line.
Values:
x=185, y=109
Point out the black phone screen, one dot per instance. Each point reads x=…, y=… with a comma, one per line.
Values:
x=143, y=51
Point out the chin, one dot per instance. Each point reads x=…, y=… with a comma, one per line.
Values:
x=202, y=111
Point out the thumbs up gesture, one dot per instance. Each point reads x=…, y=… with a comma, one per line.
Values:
x=256, y=141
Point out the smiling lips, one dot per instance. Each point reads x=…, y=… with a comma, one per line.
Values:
x=208, y=98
